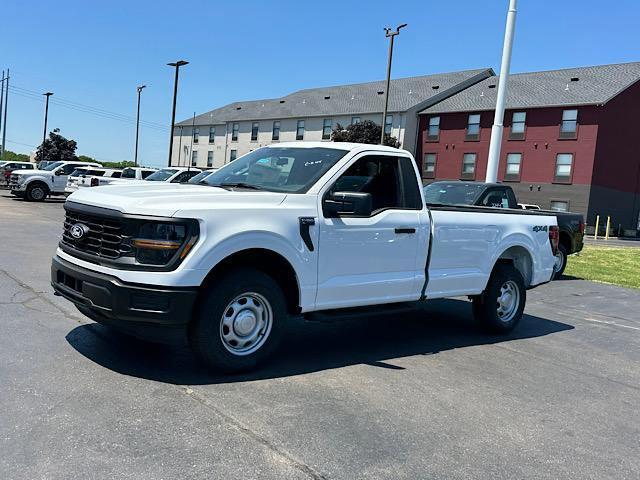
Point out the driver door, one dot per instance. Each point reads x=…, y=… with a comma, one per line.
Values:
x=61, y=175
x=372, y=259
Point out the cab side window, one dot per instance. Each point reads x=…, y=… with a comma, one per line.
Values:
x=68, y=169
x=391, y=182
x=496, y=198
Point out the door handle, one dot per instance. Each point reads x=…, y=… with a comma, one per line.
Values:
x=405, y=230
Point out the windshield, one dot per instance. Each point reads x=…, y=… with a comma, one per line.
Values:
x=452, y=193
x=161, y=175
x=285, y=169
x=52, y=166
x=199, y=177
x=128, y=173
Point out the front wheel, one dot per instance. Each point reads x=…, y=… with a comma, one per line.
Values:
x=239, y=321
x=36, y=192
x=500, y=307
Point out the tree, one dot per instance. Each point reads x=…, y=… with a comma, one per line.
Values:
x=57, y=149
x=9, y=156
x=363, y=132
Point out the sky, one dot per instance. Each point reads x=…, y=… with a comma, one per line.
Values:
x=93, y=54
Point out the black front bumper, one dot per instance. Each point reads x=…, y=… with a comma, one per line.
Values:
x=137, y=309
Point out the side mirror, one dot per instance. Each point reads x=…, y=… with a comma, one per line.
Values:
x=347, y=203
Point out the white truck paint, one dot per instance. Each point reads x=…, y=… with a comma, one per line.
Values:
x=36, y=185
x=317, y=257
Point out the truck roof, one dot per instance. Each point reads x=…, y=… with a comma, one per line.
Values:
x=337, y=146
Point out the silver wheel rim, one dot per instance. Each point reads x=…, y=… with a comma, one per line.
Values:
x=246, y=323
x=37, y=193
x=559, y=261
x=508, y=301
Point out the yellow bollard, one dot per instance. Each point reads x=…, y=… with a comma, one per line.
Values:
x=595, y=234
x=606, y=235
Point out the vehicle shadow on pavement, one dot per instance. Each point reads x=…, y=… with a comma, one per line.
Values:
x=310, y=347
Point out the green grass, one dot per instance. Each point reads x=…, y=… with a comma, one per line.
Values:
x=617, y=266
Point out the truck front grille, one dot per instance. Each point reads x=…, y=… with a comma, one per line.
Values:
x=105, y=237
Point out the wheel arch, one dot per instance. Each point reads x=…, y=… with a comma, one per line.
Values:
x=268, y=261
x=520, y=258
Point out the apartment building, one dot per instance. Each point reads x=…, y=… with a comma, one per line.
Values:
x=570, y=140
x=223, y=134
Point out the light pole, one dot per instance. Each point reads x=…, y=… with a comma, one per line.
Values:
x=389, y=34
x=46, y=117
x=493, y=158
x=135, y=156
x=177, y=66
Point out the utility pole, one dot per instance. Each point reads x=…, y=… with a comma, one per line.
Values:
x=135, y=155
x=1, y=106
x=193, y=126
x=389, y=34
x=4, y=121
x=177, y=66
x=46, y=116
x=498, y=120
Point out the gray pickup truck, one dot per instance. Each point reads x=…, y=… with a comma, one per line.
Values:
x=500, y=195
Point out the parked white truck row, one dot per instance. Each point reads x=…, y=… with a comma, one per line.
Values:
x=284, y=232
x=63, y=178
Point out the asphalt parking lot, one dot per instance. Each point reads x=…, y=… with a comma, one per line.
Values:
x=421, y=395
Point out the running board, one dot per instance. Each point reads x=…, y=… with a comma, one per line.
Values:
x=340, y=314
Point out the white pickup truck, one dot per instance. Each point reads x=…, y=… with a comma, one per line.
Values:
x=37, y=185
x=284, y=232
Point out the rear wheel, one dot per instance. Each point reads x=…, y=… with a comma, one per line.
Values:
x=239, y=321
x=36, y=192
x=500, y=307
x=560, y=262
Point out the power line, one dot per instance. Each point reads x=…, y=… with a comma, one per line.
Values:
x=26, y=93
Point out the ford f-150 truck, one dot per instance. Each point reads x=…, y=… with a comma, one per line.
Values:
x=288, y=231
x=36, y=185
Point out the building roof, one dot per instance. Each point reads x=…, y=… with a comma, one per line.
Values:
x=359, y=98
x=554, y=88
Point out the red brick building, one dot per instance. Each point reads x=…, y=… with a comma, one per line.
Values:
x=571, y=139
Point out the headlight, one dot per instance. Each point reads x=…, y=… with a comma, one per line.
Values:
x=163, y=243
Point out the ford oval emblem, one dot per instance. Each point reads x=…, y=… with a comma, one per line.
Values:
x=78, y=231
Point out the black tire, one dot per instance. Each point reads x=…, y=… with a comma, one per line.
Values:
x=37, y=192
x=208, y=326
x=486, y=307
x=561, y=258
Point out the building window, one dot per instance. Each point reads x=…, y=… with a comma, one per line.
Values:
x=233, y=155
x=234, y=132
x=468, y=166
x=473, y=127
x=194, y=158
x=327, y=125
x=564, y=167
x=355, y=120
x=559, y=205
x=429, y=167
x=518, y=123
x=388, y=124
x=212, y=134
x=210, y=158
x=254, y=131
x=196, y=134
x=300, y=130
x=433, y=130
x=514, y=163
x=569, y=125
x=275, y=133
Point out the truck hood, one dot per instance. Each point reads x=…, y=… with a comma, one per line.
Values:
x=165, y=199
x=31, y=173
